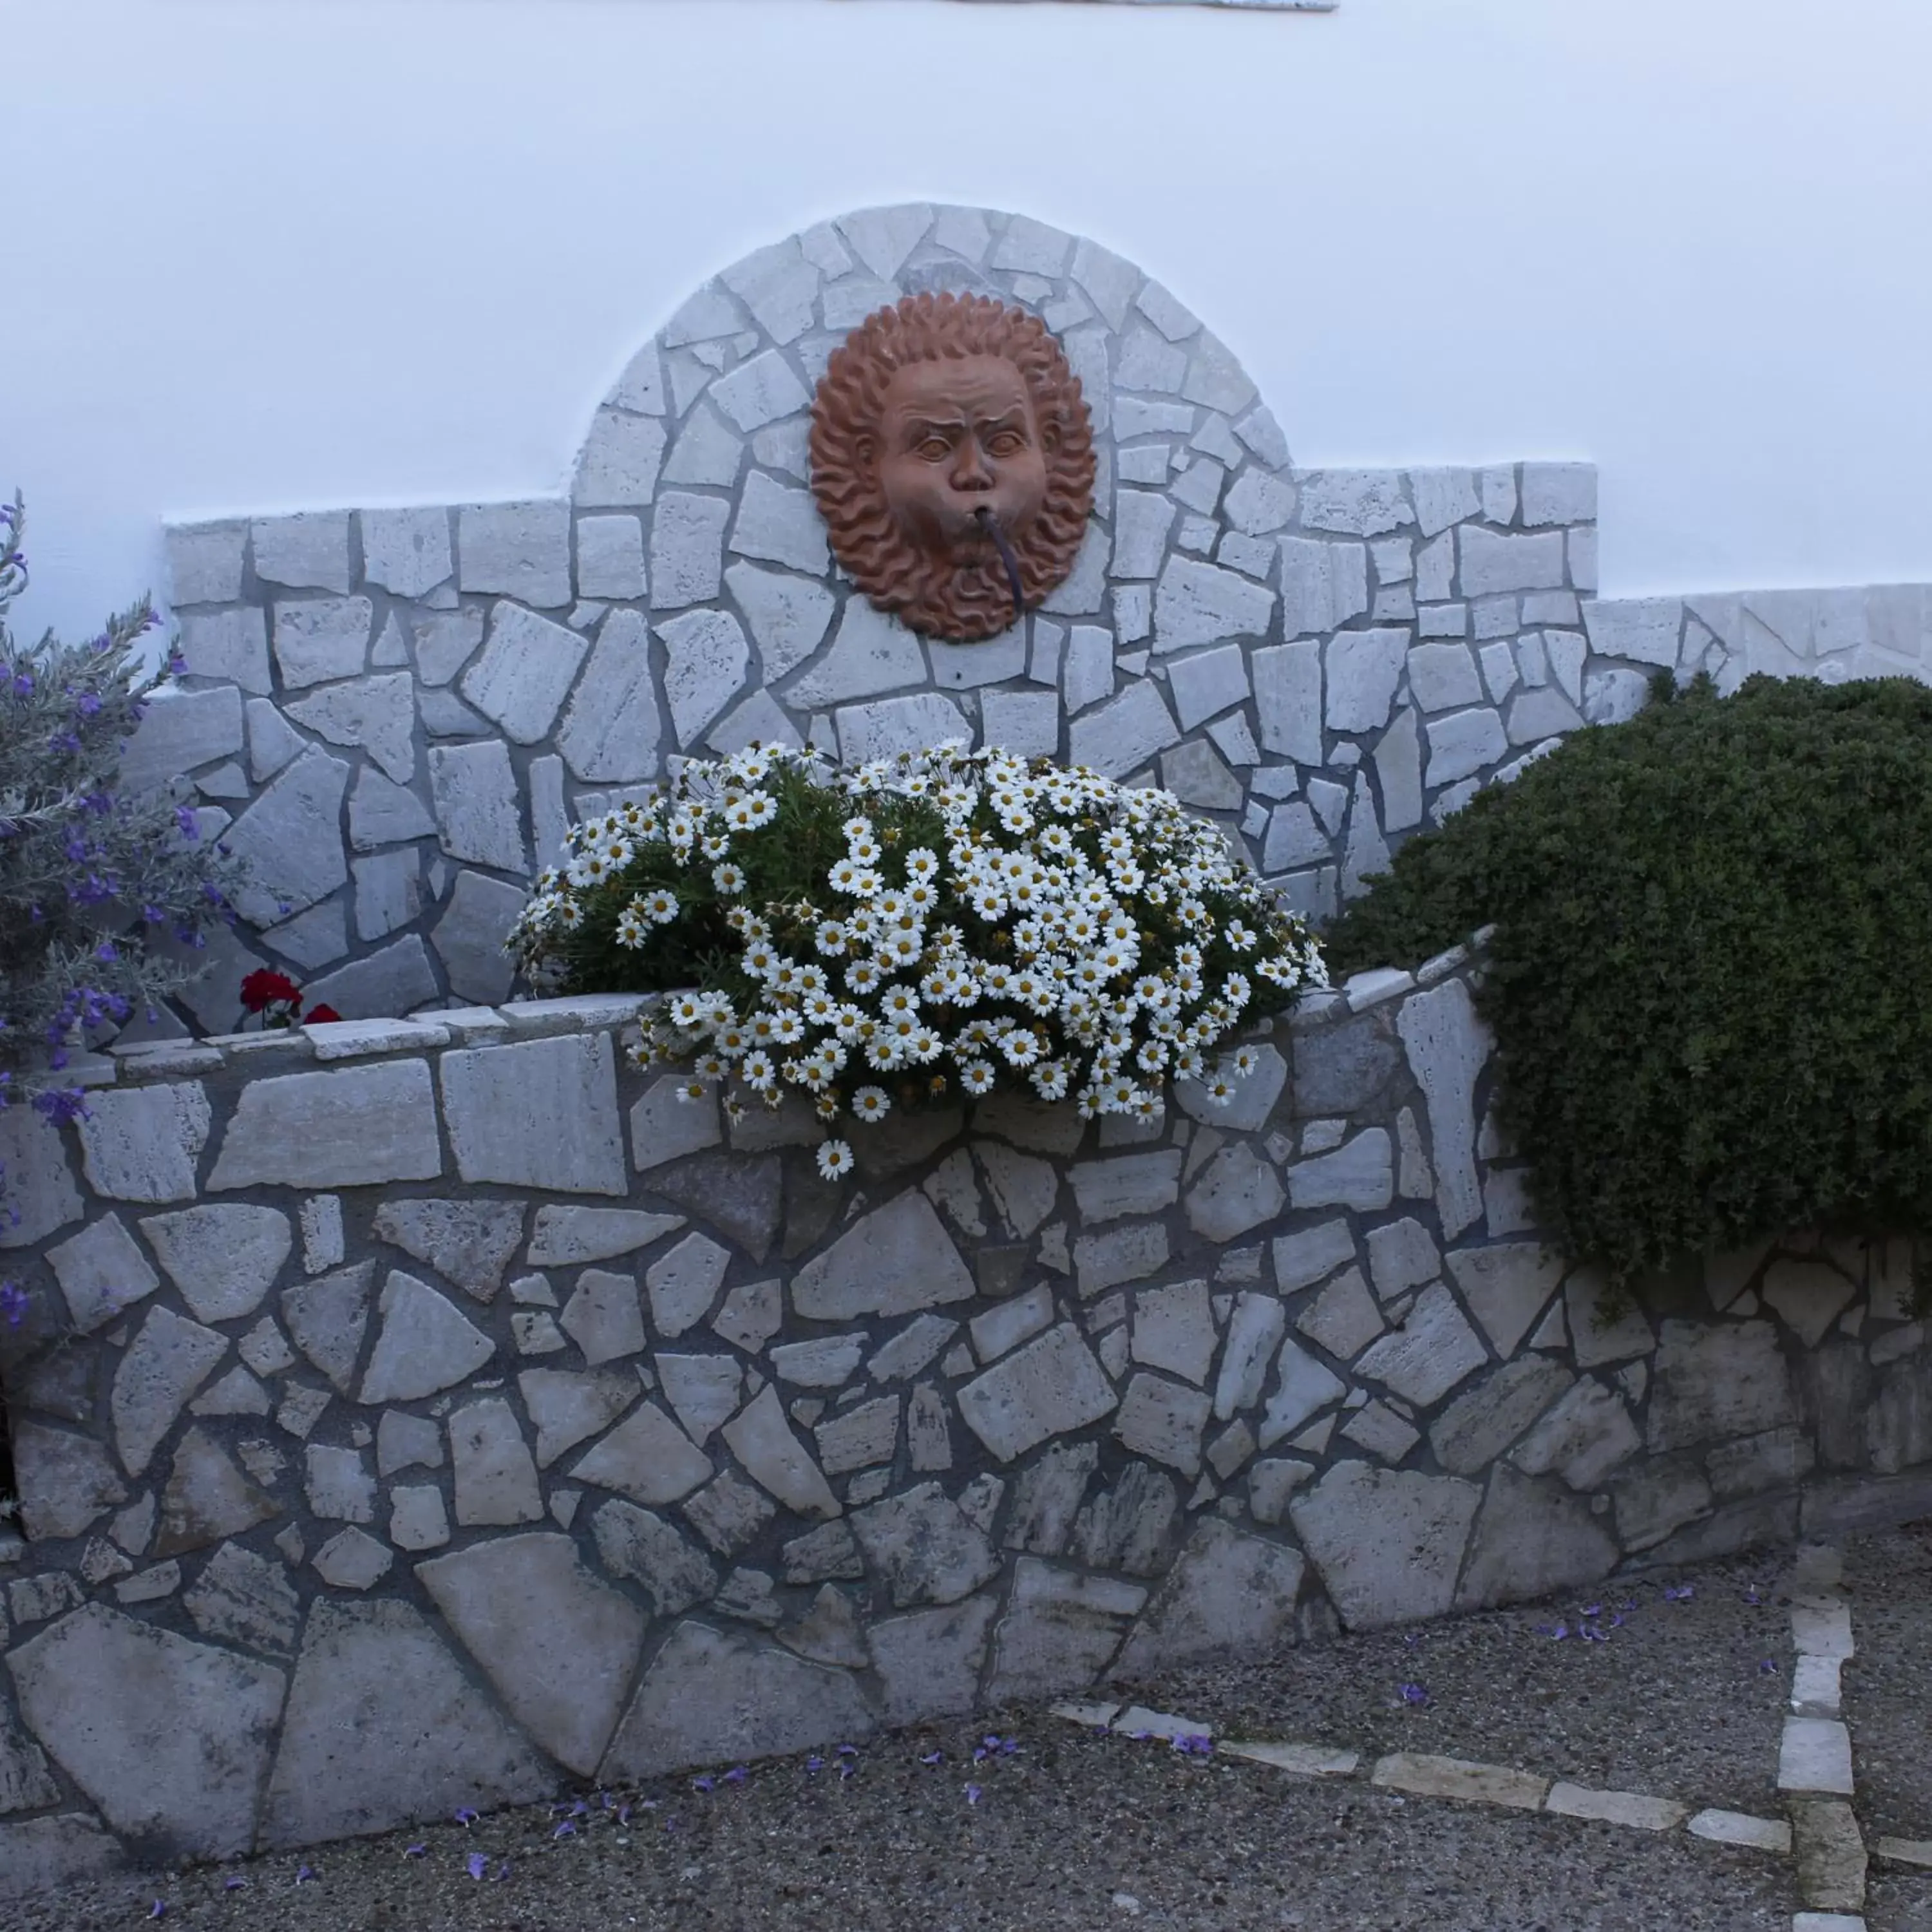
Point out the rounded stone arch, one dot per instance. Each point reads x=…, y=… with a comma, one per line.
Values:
x=692, y=501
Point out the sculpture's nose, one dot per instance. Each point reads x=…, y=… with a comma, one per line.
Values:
x=970, y=470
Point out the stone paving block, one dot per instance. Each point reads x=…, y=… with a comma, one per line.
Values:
x=424, y=1345
x=1048, y=1387
x=1815, y=1754
x=1387, y=1544
x=344, y=1128
x=1431, y=1777
x=540, y=1114
x=1830, y=1855
x=1303, y=1760
x=1636, y=1809
x=1228, y=1593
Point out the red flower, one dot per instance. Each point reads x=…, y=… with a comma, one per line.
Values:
x=263, y=988
x=318, y=1015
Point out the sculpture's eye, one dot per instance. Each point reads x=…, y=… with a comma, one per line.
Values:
x=1006, y=443
x=935, y=449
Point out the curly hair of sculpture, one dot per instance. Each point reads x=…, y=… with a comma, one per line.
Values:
x=952, y=461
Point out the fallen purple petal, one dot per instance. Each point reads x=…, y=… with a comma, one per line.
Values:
x=416, y=1851
x=736, y=1775
x=1768, y=1667
x=476, y=1865
x=815, y=1762
x=1414, y=1693
x=973, y=1794
x=623, y=1814
x=502, y=1872
x=465, y=1817
x=979, y=1753
x=934, y=1757
x=304, y=1874
x=1594, y=1610
x=565, y=1830
x=703, y=1784
x=158, y=1909
x=233, y=1883
x=848, y=1750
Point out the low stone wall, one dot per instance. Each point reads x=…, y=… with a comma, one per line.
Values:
x=439, y=1411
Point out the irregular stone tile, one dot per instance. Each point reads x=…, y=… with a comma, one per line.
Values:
x=909, y=1352
x=60, y=1382
x=1238, y=1191
x=1047, y=1388
x=44, y=1854
x=897, y=1259
x=207, y=1498
x=611, y=734
x=418, y=1520
x=567, y=1236
x=1173, y=1330
x=344, y=1128
x=1402, y=1255
x=1359, y=1173
x=603, y=1316
x=928, y=1434
x=710, y=1697
x=64, y=1482
x=1024, y=1188
x=291, y=834
x=1712, y=1380
x=176, y=1757
x=1378, y=1429
x=1301, y=1259
x=1163, y=1421
x=350, y=1560
x=470, y=936
x=1047, y=1495
x=26, y=1784
x=424, y=1345
x=1506, y=1288
x=728, y=1513
x=928, y=1662
x=383, y=1727
x=168, y=1360
x=301, y=1409
x=242, y=1598
x=327, y=1317
x=407, y=1441
x=1003, y=1328
x=1060, y=1631
x=702, y=1390
x=1808, y=1296
x=468, y=1243
x=1481, y=1424
x=1135, y=1183
x=40, y=1188
x=1255, y=1330
x=1227, y=1592
x=558, y=1647
x=633, y=1543
x=646, y=1457
x=683, y=1283
x=1124, y=1254
x=1447, y=1046
x=223, y=1260
x=1127, y=1526
x=1343, y=1318
x=762, y=1440
x=1433, y=1350
x=338, y=1484
x=1583, y=1437
x=1605, y=1326
x=496, y=1479
x=1387, y=1543
x=541, y=1114
x=1303, y=1387
x=569, y=1408
x=922, y=1548
x=141, y=1143
x=830, y=1632
x=666, y=1125
x=101, y=1273
x=1531, y=1540
x=857, y=1439
x=1657, y=1498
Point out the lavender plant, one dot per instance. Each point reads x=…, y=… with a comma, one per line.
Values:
x=94, y=885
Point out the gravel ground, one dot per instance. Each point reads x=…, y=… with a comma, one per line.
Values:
x=1065, y=1828
x=1887, y=1685
x=1675, y=1703
x=1895, y=1903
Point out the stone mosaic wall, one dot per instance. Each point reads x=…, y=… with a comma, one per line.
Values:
x=436, y=1412
x=393, y=713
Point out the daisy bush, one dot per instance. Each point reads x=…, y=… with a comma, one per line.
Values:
x=918, y=928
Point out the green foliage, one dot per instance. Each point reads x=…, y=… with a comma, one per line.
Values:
x=1708, y=978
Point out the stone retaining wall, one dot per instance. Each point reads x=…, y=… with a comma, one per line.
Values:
x=392, y=713
x=438, y=1411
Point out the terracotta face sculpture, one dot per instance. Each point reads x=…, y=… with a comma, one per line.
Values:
x=952, y=460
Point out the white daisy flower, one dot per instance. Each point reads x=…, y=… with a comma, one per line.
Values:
x=835, y=1158
x=870, y=1103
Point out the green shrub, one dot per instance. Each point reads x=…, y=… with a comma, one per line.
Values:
x=1709, y=978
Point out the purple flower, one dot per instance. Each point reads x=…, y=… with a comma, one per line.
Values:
x=1682, y=1595
x=233, y=1882
x=815, y=1762
x=623, y=1814
x=566, y=1830
x=465, y=1817
x=973, y=1794
x=703, y=1784
x=1769, y=1668
x=1559, y=1631
x=416, y=1851
x=934, y=1757
x=502, y=1872
x=14, y=1303
x=736, y=1775
x=158, y=1909
x=847, y=1770
x=476, y=1865
x=1590, y=1633
x=848, y=1750
x=304, y=1874
x=1414, y=1693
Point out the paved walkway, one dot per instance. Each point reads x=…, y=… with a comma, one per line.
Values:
x=1739, y=1747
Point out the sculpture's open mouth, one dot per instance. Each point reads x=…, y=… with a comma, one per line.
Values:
x=990, y=523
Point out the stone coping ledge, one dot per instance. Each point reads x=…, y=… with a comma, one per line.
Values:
x=597, y=1013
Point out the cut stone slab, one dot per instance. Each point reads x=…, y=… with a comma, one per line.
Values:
x=1830, y=1855
x=352, y=1560
x=1741, y=1828
x=167, y=1361
x=1481, y=1424
x=1228, y=1592
x=1587, y=1434
x=1173, y=1330
x=65, y=1482
x=383, y=1727
x=558, y=1647
x=1447, y=1047
x=897, y=1259
x=923, y=1547
x=928, y=1662
x=424, y=1345
x=604, y=1316
x=242, y=1598
x=1815, y=1754
x=1635, y=1809
x=762, y=1440
x=1433, y=1350
x=223, y=1260
x=291, y=834
x=1133, y=1184
x=348, y=1127
x=568, y=1236
x=1456, y=1777
x=1506, y=1287
x=633, y=1543
x=207, y=1498
x=1387, y=1543
x=540, y=1114
x=1162, y=1421
x=101, y=1272
x=468, y=1243
x=1711, y=1380
x=327, y=1317
x=1303, y=1760
x=1048, y=1387
x=141, y=1143
x=569, y=1408
x=1360, y=1174
x=1239, y=1190
x=683, y=1284
x=646, y=1457
x=175, y=1759
x=712, y=1697
x=665, y=1126
x=1531, y=1539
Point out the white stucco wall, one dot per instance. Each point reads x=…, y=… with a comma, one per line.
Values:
x=264, y=254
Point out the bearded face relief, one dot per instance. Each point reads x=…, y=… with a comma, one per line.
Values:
x=952, y=460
